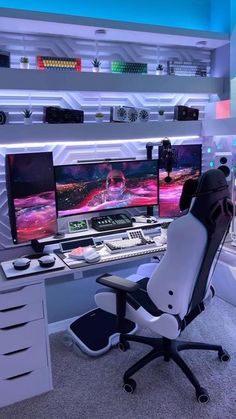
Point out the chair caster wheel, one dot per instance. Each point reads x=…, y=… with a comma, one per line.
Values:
x=123, y=346
x=129, y=385
x=223, y=356
x=202, y=395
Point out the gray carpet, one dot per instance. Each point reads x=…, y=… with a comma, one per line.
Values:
x=91, y=388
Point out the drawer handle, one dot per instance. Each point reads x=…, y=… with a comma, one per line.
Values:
x=14, y=326
x=17, y=351
x=12, y=308
x=12, y=290
x=18, y=376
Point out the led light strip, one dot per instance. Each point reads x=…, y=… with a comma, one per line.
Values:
x=97, y=142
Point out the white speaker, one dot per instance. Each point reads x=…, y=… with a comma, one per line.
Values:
x=223, y=161
x=128, y=114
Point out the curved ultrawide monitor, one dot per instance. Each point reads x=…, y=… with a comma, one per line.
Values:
x=89, y=187
x=185, y=164
x=31, y=196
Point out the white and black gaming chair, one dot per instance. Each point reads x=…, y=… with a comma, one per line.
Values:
x=180, y=285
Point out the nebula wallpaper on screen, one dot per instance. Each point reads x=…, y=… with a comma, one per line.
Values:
x=31, y=193
x=186, y=165
x=84, y=188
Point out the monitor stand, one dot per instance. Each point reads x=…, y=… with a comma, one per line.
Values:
x=37, y=246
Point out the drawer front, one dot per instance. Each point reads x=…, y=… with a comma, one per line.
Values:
x=23, y=360
x=21, y=314
x=22, y=336
x=24, y=386
x=22, y=295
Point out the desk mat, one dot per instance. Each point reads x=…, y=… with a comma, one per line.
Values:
x=11, y=273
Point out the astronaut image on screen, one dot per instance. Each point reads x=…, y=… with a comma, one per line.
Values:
x=115, y=192
x=93, y=187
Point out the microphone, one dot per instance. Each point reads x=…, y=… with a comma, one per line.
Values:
x=168, y=159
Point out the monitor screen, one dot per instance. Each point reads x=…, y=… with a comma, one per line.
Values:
x=185, y=164
x=89, y=187
x=31, y=196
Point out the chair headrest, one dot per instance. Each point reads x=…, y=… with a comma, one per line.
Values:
x=211, y=181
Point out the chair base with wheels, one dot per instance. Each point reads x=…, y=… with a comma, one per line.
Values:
x=169, y=350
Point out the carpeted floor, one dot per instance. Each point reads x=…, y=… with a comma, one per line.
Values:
x=91, y=388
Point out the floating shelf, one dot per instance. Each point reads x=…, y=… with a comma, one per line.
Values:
x=43, y=133
x=53, y=80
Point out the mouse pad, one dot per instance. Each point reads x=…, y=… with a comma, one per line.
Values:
x=34, y=268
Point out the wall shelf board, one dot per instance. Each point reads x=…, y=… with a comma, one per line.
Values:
x=35, y=80
x=43, y=133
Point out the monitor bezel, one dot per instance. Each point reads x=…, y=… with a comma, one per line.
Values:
x=107, y=209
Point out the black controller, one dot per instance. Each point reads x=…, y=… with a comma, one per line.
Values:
x=111, y=222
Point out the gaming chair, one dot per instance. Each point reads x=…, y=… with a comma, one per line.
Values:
x=180, y=286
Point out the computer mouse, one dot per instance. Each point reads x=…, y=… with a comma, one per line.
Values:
x=47, y=261
x=91, y=255
x=21, y=263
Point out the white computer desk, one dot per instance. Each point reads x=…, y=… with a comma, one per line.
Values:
x=25, y=366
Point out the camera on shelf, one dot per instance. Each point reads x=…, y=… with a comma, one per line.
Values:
x=3, y=117
x=185, y=113
x=57, y=115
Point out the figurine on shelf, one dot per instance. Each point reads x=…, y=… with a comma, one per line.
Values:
x=24, y=63
x=27, y=113
x=159, y=70
x=96, y=65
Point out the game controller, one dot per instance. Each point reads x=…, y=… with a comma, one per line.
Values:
x=144, y=219
x=91, y=255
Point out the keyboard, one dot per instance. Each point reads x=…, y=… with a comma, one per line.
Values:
x=146, y=250
x=140, y=252
x=116, y=246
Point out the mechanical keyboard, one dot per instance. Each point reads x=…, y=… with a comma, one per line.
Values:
x=139, y=252
x=115, y=246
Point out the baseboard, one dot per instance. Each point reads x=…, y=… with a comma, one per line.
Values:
x=60, y=326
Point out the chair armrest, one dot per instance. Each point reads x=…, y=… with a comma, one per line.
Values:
x=118, y=283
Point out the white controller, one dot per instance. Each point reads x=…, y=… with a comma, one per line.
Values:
x=144, y=219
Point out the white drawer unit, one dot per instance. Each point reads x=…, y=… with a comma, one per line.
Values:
x=15, y=297
x=25, y=369
x=21, y=336
x=21, y=314
x=23, y=360
x=23, y=386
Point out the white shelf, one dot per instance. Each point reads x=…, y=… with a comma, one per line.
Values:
x=25, y=22
x=17, y=79
x=43, y=133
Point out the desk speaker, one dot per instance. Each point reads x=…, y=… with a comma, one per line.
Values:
x=223, y=161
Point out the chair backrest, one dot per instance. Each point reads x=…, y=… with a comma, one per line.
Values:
x=182, y=278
